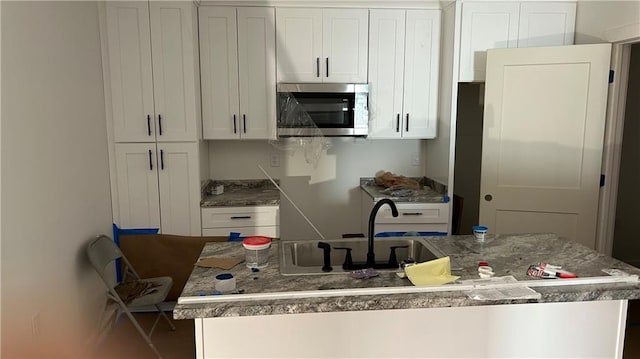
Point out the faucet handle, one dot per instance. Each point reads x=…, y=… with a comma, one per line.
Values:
x=393, y=260
x=348, y=260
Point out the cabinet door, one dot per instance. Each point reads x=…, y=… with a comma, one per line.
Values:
x=174, y=70
x=299, y=44
x=421, y=58
x=344, y=45
x=485, y=26
x=179, y=179
x=129, y=43
x=137, y=179
x=219, y=63
x=386, y=72
x=546, y=24
x=257, y=73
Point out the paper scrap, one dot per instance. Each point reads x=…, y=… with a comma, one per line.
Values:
x=218, y=262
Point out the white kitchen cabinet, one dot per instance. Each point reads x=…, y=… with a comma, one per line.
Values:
x=412, y=216
x=153, y=71
x=404, y=50
x=489, y=25
x=237, y=55
x=246, y=220
x=322, y=45
x=159, y=187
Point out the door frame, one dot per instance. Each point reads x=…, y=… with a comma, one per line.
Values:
x=621, y=38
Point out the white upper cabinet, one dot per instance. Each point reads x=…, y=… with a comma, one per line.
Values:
x=404, y=50
x=485, y=26
x=153, y=71
x=490, y=25
x=322, y=45
x=546, y=24
x=237, y=55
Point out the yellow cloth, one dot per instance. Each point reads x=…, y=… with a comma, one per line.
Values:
x=435, y=272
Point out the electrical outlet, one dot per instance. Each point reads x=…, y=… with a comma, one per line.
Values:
x=415, y=159
x=275, y=160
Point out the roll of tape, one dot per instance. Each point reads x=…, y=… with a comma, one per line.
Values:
x=225, y=282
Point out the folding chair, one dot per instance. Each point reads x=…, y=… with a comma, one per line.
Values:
x=150, y=291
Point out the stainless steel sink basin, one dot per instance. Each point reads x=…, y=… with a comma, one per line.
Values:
x=303, y=257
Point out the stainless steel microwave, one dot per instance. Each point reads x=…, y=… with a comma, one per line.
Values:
x=322, y=109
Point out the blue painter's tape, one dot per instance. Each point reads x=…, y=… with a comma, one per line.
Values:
x=235, y=237
x=116, y=238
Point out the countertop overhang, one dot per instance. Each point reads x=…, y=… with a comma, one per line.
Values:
x=267, y=292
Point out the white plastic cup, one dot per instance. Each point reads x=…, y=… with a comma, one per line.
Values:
x=256, y=251
x=225, y=282
x=480, y=232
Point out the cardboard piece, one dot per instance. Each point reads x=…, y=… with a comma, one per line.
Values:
x=156, y=255
x=218, y=262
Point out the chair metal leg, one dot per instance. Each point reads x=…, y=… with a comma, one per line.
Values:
x=142, y=332
x=173, y=328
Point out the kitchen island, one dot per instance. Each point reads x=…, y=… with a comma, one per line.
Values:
x=335, y=315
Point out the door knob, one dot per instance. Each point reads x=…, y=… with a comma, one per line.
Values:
x=488, y=197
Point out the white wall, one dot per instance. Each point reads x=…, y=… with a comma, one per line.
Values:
x=55, y=182
x=328, y=194
x=593, y=18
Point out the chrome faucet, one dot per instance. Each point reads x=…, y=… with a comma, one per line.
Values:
x=371, y=256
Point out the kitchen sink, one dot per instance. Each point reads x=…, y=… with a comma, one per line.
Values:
x=305, y=257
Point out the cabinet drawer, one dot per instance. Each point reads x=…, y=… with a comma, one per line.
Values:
x=415, y=213
x=232, y=217
x=269, y=231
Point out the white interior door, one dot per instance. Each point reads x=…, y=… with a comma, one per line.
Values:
x=542, y=140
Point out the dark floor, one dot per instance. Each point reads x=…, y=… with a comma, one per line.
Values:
x=124, y=342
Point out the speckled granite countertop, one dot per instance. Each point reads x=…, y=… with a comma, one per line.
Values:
x=507, y=254
x=241, y=193
x=430, y=191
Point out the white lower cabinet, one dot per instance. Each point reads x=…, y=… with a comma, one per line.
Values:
x=246, y=220
x=418, y=217
x=159, y=187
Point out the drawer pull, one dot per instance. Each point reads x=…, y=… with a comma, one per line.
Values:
x=412, y=213
x=240, y=217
